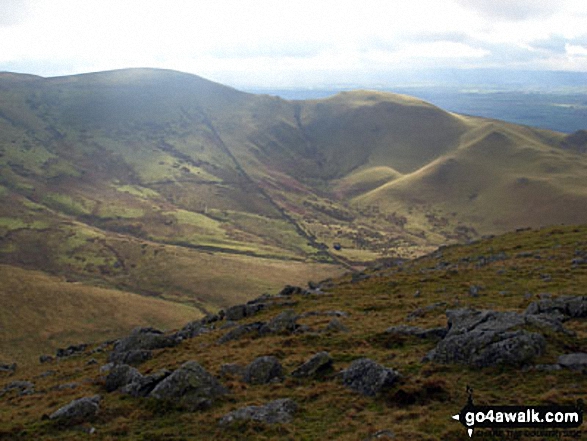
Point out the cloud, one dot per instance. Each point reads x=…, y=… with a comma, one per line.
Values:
x=512, y=9
x=13, y=12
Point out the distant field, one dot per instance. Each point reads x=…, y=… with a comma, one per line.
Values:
x=560, y=111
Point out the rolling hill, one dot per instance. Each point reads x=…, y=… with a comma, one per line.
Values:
x=167, y=185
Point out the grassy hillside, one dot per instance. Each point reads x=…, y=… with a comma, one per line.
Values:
x=508, y=272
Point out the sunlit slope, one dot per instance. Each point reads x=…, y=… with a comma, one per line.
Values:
x=41, y=313
x=500, y=177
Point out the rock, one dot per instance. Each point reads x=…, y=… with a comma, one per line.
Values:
x=21, y=387
x=194, y=328
x=289, y=290
x=143, y=385
x=369, y=378
x=91, y=361
x=78, y=411
x=134, y=357
x=263, y=370
x=318, y=363
x=324, y=313
x=45, y=358
x=10, y=368
x=279, y=411
x=430, y=333
x=241, y=331
x=335, y=325
x=144, y=339
x=381, y=435
x=71, y=350
x=484, y=338
x=282, y=323
x=575, y=362
x=239, y=312
x=232, y=370
x=120, y=375
x=190, y=386
x=568, y=306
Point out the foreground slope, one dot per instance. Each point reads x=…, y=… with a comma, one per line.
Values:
x=350, y=319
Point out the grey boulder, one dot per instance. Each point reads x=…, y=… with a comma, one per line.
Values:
x=78, y=411
x=368, y=377
x=278, y=411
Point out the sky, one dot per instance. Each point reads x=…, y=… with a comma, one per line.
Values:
x=272, y=43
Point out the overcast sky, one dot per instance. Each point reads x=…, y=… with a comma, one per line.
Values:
x=301, y=42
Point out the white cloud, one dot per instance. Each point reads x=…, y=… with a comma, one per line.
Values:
x=265, y=39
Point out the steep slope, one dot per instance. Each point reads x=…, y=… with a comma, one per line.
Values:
x=351, y=318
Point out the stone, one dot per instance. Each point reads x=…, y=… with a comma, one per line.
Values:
x=486, y=338
x=263, y=370
x=568, y=306
x=575, y=362
x=289, y=290
x=282, y=323
x=21, y=387
x=10, y=368
x=78, y=411
x=120, y=375
x=45, y=358
x=241, y=331
x=144, y=339
x=133, y=357
x=368, y=377
x=143, y=385
x=239, y=312
x=275, y=412
x=318, y=363
x=430, y=333
x=190, y=386
x=335, y=325
x=71, y=350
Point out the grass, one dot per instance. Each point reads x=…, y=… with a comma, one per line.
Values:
x=418, y=407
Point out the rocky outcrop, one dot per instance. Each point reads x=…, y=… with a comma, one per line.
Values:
x=282, y=323
x=190, y=386
x=318, y=363
x=136, y=348
x=567, y=306
x=20, y=387
x=263, y=370
x=414, y=331
x=368, y=377
x=487, y=338
x=575, y=362
x=71, y=350
x=78, y=411
x=278, y=411
x=121, y=375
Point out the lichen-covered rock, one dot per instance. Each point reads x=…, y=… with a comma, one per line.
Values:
x=71, y=350
x=368, y=377
x=134, y=357
x=239, y=312
x=568, y=306
x=143, y=385
x=487, y=338
x=144, y=339
x=282, y=323
x=190, y=386
x=576, y=361
x=320, y=362
x=241, y=331
x=120, y=375
x=278, y=411
x=429, y=333
x=78, y=411
x=263, y=370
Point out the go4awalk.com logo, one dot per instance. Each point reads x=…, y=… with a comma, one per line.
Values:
x=519, y=417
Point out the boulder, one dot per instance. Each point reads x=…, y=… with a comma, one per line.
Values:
x=263, y=370
x=78, y=411
x=576, y=361
x=71, y=350
x=143, y=385
x=320, y=362
x=279, y=411
x=334, y=326
x=190, y=386
x=241, y=331
x=10, y=368
x=144, y=339
x=282, y=323
x=239, y=312
x=134, y=357
x=21, y=387
x=568, y=306
x=486, y=338
x=121, y=375
x=368, y=377
x=414, y=331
